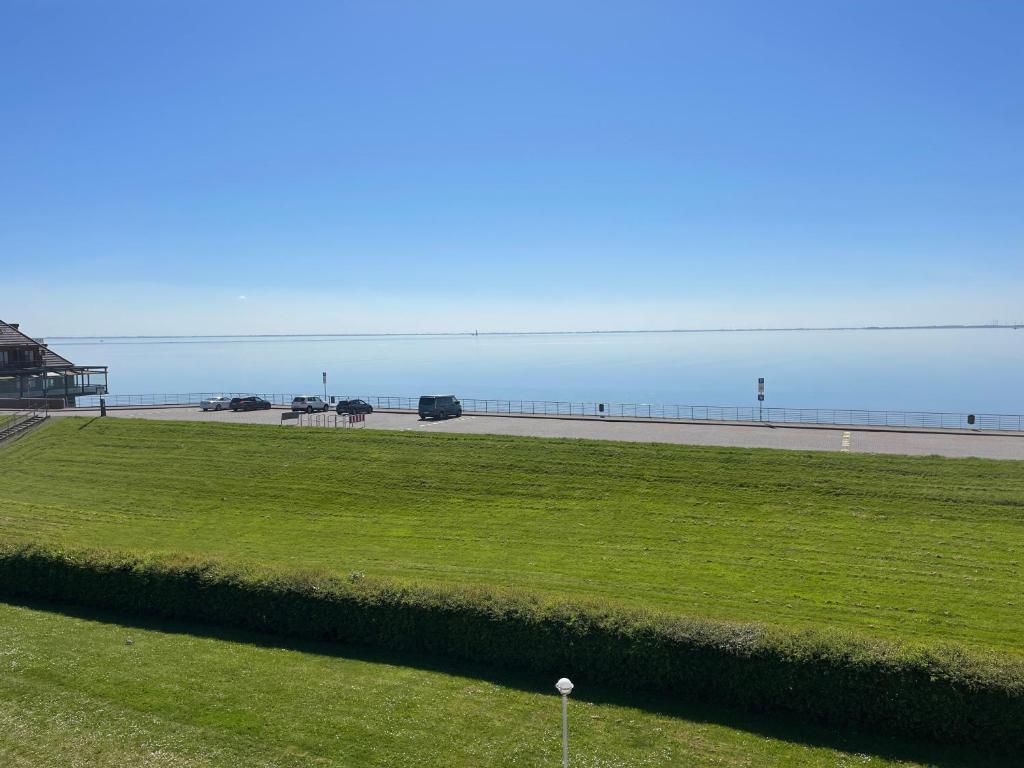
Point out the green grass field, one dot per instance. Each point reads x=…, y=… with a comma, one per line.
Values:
x=74, y=693
x=921, y=548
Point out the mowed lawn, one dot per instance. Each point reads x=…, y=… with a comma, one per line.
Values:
x=87, y=694
x=921, y=548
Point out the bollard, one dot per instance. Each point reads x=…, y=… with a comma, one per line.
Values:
x=103, y=406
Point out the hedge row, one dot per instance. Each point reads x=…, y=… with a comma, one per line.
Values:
x=942, y=693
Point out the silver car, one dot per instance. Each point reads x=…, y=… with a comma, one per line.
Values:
x=216, y=403
x=309, y=403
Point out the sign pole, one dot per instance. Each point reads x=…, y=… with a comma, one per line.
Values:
x=760, y=398
x=325, y=386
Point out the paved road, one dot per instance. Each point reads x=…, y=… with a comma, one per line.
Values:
x=795, y=438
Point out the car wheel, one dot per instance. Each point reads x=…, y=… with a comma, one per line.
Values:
x=442, y=415
x=309, y=409
x=234, y=408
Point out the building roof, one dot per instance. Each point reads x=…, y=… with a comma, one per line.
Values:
x=10, y=336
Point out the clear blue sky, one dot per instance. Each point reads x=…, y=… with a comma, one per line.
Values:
x=361, y=166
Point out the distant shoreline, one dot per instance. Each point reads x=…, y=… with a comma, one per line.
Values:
x=947, y=327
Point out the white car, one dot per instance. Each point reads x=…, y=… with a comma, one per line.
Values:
x=216, y=404
x=309, y=403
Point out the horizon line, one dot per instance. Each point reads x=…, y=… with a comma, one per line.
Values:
x=787, y=329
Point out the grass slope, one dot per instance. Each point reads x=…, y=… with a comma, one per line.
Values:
x=923, y=548
x=74, y=693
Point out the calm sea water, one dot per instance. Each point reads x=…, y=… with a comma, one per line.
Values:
x=972, y=370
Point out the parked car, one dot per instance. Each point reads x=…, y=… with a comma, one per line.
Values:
x=439, y=406
x=354, y=406
x=215, y=403
x=249, y=403
x=309, y=403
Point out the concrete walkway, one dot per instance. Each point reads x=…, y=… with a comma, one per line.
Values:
x=793, y=437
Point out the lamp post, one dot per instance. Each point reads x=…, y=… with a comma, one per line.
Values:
x=564, y=687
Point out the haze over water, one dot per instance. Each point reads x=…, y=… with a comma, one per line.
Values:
x=966, y=370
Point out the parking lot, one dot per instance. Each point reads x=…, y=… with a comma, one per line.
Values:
x=742, y=436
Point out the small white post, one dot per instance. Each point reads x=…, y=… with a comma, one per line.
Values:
x=564, y=687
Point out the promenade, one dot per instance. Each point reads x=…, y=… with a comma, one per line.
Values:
x=956, y=444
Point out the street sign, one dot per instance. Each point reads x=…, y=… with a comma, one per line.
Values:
x=325, y=377
x=760, y=389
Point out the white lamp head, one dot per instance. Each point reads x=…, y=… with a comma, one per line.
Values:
x=564, y=686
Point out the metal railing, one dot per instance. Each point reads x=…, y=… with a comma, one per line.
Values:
x=698, y=413
x=183, y=398
x=10, y=423
x=325, y=419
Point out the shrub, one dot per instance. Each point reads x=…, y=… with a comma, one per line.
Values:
x=941, y=693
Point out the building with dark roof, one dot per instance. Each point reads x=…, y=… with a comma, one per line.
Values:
x=29, y=370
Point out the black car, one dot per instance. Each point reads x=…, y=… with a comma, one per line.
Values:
x=354, y=406
x=250, y=403
x=439, y=406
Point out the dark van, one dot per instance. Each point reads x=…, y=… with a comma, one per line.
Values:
x=439, y=406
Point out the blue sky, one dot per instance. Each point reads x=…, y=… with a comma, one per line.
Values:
x=554, y=165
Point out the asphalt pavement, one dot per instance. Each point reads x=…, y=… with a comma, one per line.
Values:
x=793, y=437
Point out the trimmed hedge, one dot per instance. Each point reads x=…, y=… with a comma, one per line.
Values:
x=943, y=693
